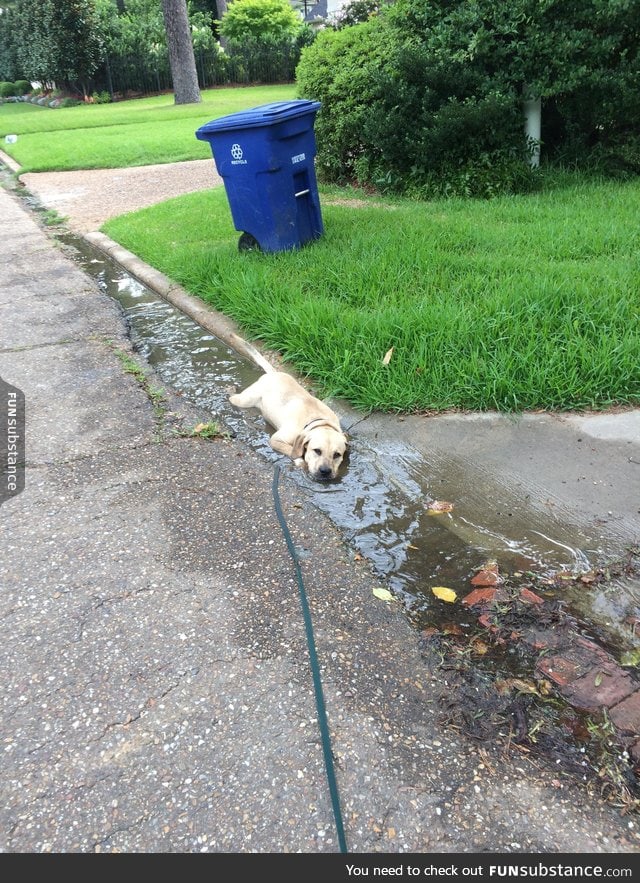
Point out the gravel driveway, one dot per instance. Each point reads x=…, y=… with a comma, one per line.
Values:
x=88, y=198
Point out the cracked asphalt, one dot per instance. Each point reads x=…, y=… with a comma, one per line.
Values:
x=156, y=693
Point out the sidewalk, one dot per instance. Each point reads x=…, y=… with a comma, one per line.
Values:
x=157, y=694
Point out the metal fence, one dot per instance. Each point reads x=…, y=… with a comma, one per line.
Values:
x=145, y=74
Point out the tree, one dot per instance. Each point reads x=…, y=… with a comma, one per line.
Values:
x=427, y=96
x=181, y=57
x=57, y=41
x=260, y=19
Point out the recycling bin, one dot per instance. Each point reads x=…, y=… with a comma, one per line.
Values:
x=265, y=156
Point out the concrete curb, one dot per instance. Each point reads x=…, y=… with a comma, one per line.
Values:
x=9, y=161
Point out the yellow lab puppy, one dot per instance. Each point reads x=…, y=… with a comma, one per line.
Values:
x=306, y=429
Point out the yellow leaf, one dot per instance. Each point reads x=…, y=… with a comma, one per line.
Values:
x=598, y=679
x=444, y=594
x=383, y=594
x=387, y=356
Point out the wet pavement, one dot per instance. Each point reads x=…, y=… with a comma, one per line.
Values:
x=157, y=692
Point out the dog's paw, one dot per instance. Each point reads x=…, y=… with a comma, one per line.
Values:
x=299, y=461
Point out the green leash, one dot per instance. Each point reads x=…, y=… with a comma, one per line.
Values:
x=315, y=669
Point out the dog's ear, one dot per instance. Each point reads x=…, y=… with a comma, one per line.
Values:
x=298, y=447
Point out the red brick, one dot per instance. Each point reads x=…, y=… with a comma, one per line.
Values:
x=593, y=649
x=486, y=578
x=530, y=597
x=479, y=596
x=626, y=715
x=561, y=669
x=605, y=685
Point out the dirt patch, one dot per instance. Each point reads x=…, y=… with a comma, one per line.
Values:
x=88, y=198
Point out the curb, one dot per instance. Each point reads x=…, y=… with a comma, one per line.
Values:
x=9, y=161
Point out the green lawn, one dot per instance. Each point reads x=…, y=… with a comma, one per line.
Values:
x=126, y=133
x=516, y=303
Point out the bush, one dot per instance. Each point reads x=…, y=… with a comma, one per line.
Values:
x=101, y=97
x=427, y=97
x=7, y=89
x=22, y=87
x=342, y=69
x=395, y=118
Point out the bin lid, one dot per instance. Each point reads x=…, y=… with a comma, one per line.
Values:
x=263, y=115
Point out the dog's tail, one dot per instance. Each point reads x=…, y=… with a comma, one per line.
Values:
x=245, y=349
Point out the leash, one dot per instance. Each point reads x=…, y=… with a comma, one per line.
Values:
x=315, y=668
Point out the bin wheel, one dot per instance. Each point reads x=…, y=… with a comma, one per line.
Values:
x=247, y=242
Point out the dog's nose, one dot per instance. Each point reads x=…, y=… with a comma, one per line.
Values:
x=324, y=471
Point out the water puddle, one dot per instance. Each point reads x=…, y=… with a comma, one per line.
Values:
x=378, y=504
x=494, y=685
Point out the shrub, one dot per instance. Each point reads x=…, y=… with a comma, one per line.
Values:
x=342, y=69
x=22, y=87
x=7, y=89
x=101, y=97
x=398, y=119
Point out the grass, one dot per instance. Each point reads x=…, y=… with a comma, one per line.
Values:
x=126, y=133
x=518, y=303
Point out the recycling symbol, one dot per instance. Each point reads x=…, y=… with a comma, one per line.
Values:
x=236, y=151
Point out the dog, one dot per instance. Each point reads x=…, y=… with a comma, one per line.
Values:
x=307, y=430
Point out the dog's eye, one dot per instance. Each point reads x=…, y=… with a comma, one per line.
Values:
x=336, y=456
x=317, y=451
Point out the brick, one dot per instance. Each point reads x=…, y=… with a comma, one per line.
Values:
x=530, y=597
x=626, y=715
x=561, y=669
x=605, y=685
x=486, y=578
x=479, y=596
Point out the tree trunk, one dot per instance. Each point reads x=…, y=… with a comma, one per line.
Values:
x=181, y=57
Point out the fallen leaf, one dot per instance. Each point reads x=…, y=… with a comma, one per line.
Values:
x=452, y=628
x=598, y=679
x=199, y=427
x=429, y=632
x=507, y=684
x=391, y=833
x=479, y=646
x=411, y=546
x=387, y=356
x=630, y=657
x=444, y=594
x=383, y=594
x=438, y=507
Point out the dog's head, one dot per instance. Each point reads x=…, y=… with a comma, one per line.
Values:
x=322, y=447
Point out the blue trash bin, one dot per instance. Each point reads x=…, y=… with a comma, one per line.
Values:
x=265, y=156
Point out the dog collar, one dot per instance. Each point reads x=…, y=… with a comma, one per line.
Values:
x=316, y=422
